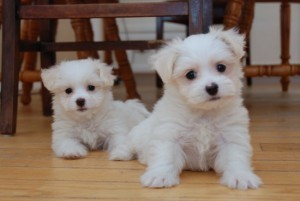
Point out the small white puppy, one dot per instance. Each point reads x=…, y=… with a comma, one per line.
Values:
x=85, y=115
x=200, y=122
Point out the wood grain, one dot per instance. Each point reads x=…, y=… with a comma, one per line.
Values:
x=30, y=171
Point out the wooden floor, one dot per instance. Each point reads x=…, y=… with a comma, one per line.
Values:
x=30, y=171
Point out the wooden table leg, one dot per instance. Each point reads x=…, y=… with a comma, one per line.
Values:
x=10, y=67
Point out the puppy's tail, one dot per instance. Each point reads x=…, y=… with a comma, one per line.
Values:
x=137, y=106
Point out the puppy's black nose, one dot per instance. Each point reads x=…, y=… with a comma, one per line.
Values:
x=212, y=89
x=80, y=102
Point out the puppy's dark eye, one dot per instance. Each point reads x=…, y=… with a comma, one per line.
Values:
x=91, y=87
x=221, y=68
x=68, y=90
x=191, y=75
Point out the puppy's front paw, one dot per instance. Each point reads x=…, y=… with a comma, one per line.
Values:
x=241, y=180
x=121, y=153
x=71, y=152
x=159, y=178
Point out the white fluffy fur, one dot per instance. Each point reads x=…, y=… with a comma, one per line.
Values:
x=100, y=122
x=190, y=129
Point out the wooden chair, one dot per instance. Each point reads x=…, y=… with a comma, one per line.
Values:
x=14, y=12
x=83, y=33
x=240, y=14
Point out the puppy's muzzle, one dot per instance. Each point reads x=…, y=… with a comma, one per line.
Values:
x=212, y=89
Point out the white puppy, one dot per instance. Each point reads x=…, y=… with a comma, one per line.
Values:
x=200, y=122
x=85, y=115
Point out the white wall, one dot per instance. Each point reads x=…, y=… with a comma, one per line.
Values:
x=265, y=34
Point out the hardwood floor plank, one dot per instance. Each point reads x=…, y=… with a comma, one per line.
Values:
x=280, y=166
x=65, y=190
x=46, y=160
x=130, y=175
x=276, y=156
x=270, y=140
x=29, y=171
x=279, y=147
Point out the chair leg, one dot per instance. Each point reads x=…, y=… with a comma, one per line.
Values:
x=48, y=59
x=233, y=12
x=285, y=11
x=248, y=59
x=108, y=56
x=89, y=36
x=285, y=82
x=126, y=73
x=10, y=68
x=30, y=58
x=83, y=32
x=159, y=36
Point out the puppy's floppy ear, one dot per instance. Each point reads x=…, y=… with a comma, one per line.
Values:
x=105, y=74
x=163, y=61
x=233, y=39
x=49, y=77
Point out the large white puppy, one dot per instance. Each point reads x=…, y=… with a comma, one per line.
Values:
x=200, y=122
x=85, y=115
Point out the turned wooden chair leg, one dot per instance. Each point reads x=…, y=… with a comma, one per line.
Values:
x=240, y=14
x=233, y=12
x=81, y=35
x=89, y=36
x=125, y=70
x=83, y=32
x=30, y=31
x=30, y=59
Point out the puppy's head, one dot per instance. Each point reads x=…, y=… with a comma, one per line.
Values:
x=205, y=69
x=79, y=85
